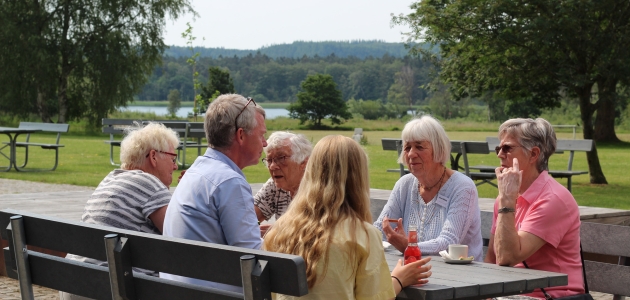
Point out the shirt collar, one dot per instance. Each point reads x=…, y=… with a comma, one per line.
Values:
x=218, y=155
x=533, y=192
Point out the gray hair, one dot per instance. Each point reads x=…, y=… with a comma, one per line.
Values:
x=532, y=133
x=140, y=140
x=428, y=129
x=219, y=120
x=301, y=147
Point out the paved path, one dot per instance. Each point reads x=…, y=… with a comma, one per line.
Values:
x=67, y=201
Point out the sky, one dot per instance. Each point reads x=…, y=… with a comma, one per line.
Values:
x=250, y=24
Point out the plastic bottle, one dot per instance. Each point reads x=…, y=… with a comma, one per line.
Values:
x=412, y=253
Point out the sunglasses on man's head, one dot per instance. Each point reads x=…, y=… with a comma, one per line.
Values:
x=242, y=110
x=505, y=148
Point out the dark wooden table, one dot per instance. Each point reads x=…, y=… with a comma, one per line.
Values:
x=476, y=280
x=13, y=133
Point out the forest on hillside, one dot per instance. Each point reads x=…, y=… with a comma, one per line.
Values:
x=278, y=80
x=359, y=49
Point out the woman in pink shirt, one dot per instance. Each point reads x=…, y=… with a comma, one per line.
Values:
x=536, y=219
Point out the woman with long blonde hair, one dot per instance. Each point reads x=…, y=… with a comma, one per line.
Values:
x=329, y=224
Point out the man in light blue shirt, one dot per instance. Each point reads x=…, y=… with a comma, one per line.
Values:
x=213, y=202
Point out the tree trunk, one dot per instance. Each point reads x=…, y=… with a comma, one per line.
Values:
x=605, y=119
x=42, y=107
x=586, y=113
x=62, y=96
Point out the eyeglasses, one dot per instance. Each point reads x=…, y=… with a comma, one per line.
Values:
x=505, y=148
x=242, y=110
x=280, y=160
x=164, y=152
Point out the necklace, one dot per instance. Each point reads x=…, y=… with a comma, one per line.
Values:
x=428, y=188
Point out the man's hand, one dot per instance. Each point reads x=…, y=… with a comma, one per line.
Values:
x=395, y=236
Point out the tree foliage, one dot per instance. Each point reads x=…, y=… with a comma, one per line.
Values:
x=278, y=80
x=319, y=99
x=219, y=81
x=81, y=58
x=533, y=51
x=174, y=102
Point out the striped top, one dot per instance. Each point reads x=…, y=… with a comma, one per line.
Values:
x=125, y=199
x=452, y=217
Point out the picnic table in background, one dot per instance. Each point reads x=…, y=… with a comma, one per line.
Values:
x=28, y=128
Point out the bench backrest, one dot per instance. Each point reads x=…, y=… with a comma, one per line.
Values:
x=280, y=273
x=612, y=240
x=48, y=127
x=117, y=126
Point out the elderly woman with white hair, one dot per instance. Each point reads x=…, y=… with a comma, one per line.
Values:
x=441, y=203
x=286, y=157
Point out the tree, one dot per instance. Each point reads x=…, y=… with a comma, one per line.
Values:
x=218, y=81
x=81, y=58
x=537, y=51
x=174, y=102
x=319, y=99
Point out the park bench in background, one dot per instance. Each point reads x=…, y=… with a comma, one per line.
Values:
x=259, y=272
x=115, y=127
x=44, y=127
x=190, y=134
x=562, y=145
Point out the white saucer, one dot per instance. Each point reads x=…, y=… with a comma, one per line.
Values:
x=458, y=261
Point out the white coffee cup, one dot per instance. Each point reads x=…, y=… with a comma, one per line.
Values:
x=456, y=251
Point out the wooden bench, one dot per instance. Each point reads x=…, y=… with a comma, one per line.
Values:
x=258, y=272
x=561, y=146
x=44, y=127
x=115, y=127
x=606, y=250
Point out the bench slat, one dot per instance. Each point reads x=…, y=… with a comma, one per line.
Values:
x=608, y=278
x=49, y=127
x=95, y=283
x=605, y=239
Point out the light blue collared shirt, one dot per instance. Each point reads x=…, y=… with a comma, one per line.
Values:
x=213, y=203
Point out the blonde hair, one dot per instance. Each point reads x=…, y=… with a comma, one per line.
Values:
x=335, y=187
x=139, y=140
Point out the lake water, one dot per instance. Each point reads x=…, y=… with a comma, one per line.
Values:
x=183, y=111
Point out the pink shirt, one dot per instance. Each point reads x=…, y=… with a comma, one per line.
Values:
x=549, y=211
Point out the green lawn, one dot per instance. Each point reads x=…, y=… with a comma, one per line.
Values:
x=85, y=161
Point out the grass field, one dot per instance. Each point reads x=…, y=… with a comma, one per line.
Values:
x=85, y=161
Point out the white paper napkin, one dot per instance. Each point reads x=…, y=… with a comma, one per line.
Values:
x=445, y=255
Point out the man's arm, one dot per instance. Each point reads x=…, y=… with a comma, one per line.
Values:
x=157, y=217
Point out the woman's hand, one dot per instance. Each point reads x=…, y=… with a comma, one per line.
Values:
x=395, y=236
x=416, y=272
x=263, y=229
x=509, y=182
